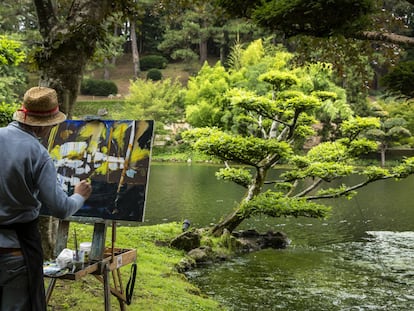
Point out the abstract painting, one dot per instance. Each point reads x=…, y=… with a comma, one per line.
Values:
x=113, y=155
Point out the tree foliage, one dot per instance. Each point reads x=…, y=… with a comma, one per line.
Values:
x=304, y=17
x=193, y=27
x=355, y=63
x=196, y=28
x=351, y=18
x=155, y=100
x=6, y=113
x=11, y=55
x=392, y=132
x=269, y=125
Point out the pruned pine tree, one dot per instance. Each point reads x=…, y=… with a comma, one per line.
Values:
x=269, y=128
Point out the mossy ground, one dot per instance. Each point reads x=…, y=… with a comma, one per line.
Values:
x=158, y=287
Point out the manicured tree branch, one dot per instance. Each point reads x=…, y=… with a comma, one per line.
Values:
x=347, y=190
x=310, y=188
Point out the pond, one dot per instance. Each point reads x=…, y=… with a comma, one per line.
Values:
x=360, y=258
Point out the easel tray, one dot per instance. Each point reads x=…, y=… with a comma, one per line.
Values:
x=112, y=258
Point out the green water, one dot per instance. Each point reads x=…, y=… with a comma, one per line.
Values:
x=361, y=258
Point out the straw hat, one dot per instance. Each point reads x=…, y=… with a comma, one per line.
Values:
x=40, y=108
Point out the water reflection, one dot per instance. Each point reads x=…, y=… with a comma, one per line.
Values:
x=360, y=258
x=376, y=274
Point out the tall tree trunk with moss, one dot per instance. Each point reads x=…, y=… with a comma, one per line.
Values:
x=69, y=36
x=68, y=45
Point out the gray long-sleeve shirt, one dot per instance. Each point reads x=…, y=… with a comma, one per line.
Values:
x=28, y=179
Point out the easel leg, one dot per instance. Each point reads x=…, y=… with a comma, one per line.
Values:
x=107, y=288
x=116, y=275
x=50, y=289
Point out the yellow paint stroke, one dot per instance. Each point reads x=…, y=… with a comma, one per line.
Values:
x=107, y=149
x=103, y=169
x=95, y=131
x=74, y=155
x=119, y=134
x=142, y=127
x=93, y=146
x=51, y=139
x=139, y=154
x=55, y=153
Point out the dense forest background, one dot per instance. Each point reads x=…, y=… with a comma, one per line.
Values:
x=368, y=43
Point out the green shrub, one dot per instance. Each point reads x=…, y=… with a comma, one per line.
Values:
x=153, y=61
x=6, y=113
x=98, y=87
x=154, y=100
x=154, y=75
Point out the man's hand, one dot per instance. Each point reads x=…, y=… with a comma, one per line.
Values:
x=83, y=188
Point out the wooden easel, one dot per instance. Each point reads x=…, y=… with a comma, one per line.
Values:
x=102, y=262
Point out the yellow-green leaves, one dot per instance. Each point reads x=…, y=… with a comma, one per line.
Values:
x=275, y=204
x=354, y=126
x=244, y=150
x=240, y=176
x=327, y=152
x=11, y=53
x=280, y=80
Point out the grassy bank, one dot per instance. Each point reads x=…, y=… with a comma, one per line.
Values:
x=90, y=107
x=158, y=286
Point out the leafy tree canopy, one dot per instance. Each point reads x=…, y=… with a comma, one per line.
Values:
x=305, y=17
x=11, y=77
x=365, y=19
x=157, y=100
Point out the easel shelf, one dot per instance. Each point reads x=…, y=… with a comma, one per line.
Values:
x=122, y=258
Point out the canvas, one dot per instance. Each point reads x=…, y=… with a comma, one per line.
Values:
x=113, y=155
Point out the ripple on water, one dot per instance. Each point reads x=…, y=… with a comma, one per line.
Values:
x=372, y=274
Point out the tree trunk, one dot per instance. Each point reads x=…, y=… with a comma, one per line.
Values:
x=106, y=74
x=134, y=46
x=230, y=223
x=234, y=219
x=67, y=45
x=383, y=149
x=203, y=51
x=224, y=48
x=116, y=33
x=203, y=42
x=63, y=71
x=48, y=229
x=385, y=37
